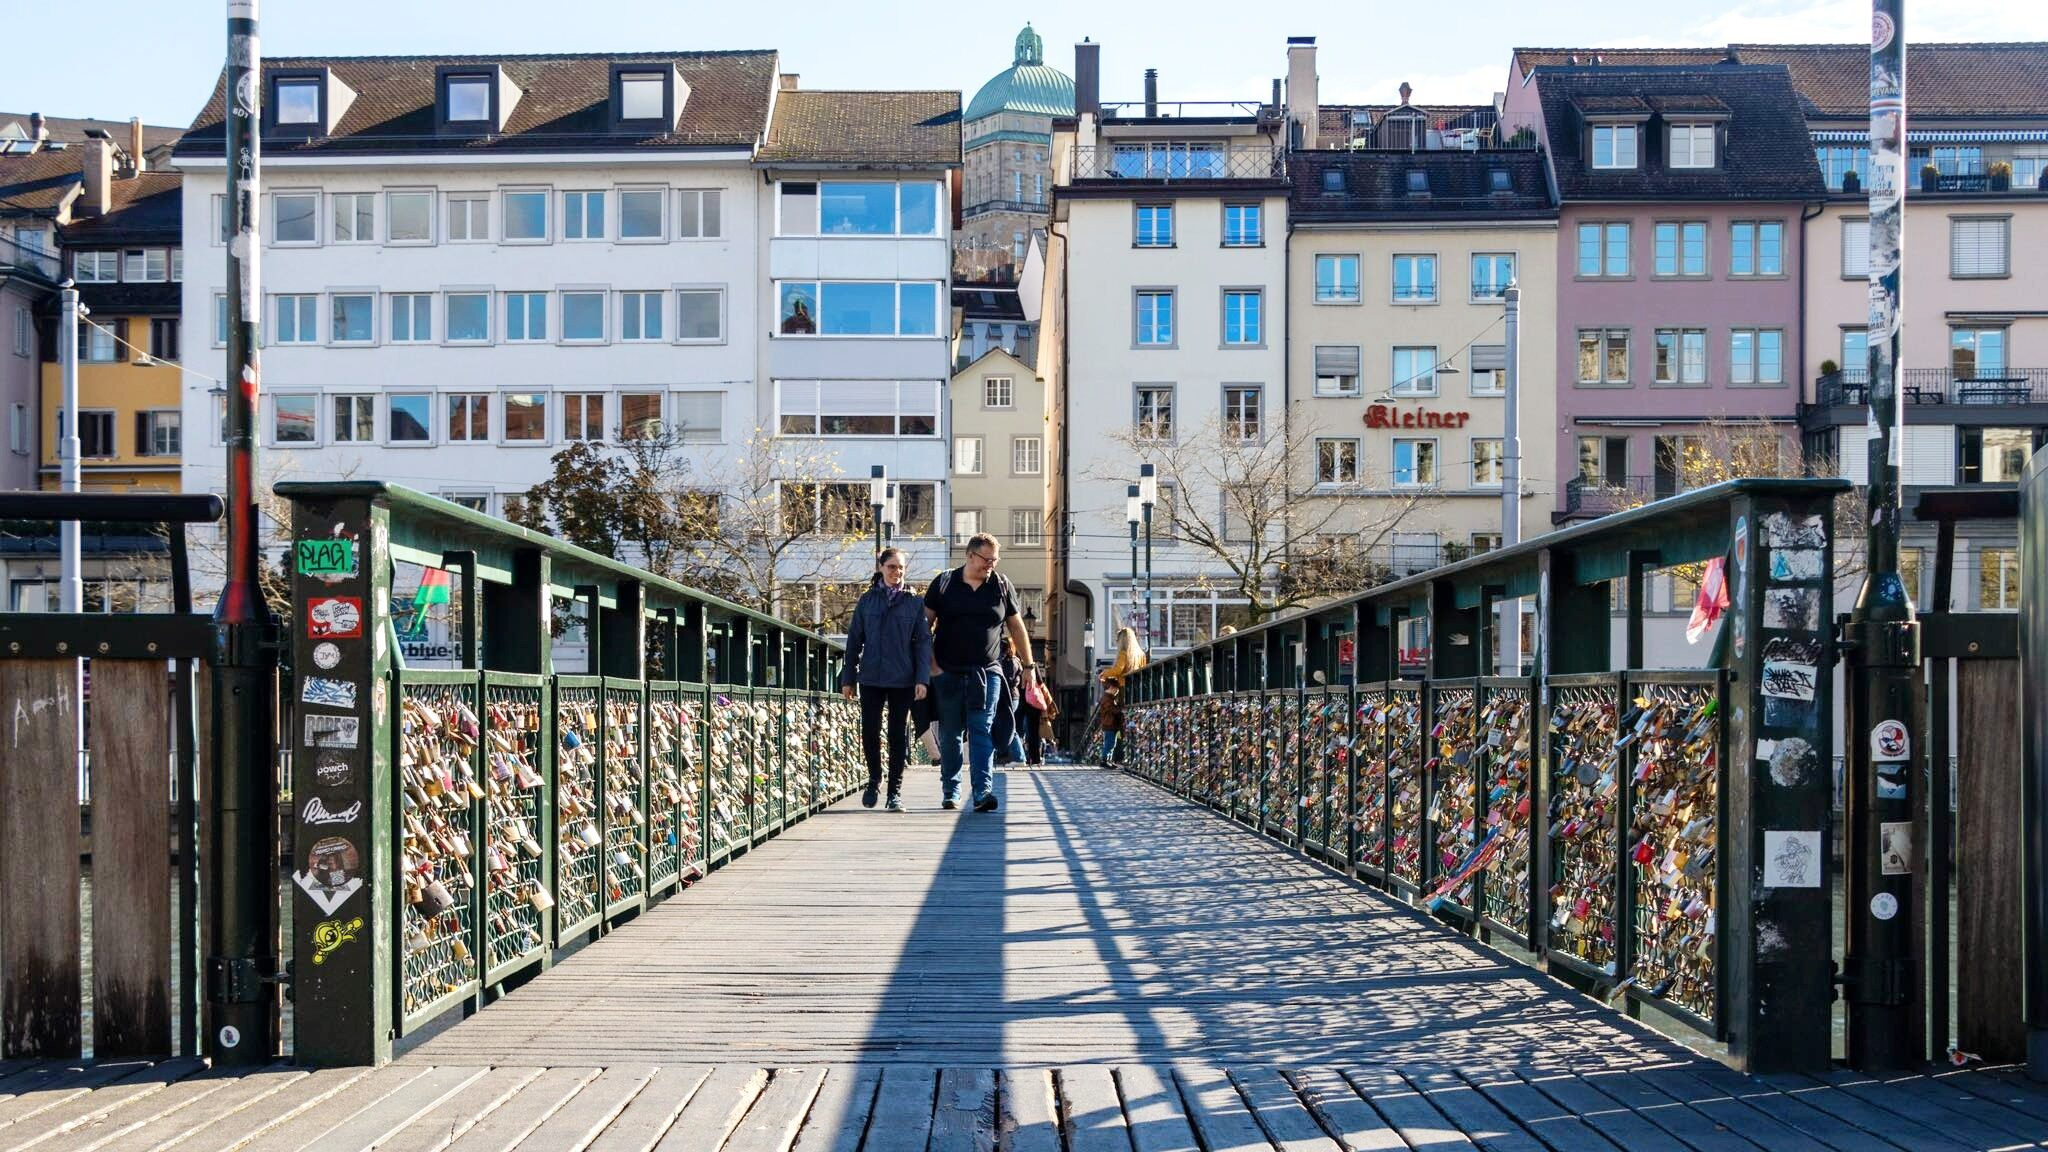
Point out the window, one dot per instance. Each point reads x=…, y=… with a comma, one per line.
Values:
x=583, y=416
x=1487, y=463
x=639, y=415
x=583, y=215
x=1995, y=455
x=859, y=208
x=411, y=217
x=1911, y=561
x=1027, y=527
x=1333, y=180
x=412, y=318
x=96, y=267
x=1680, y=357
x=1838, y=160
x=583, y=317
x=469, y=98
x=1681, y=248
x=1483, y=542
x=1677, y=464
x=1998, y=579
x=1336, y=461
x=1692, y=146
x=1243, y=412
x=469, y=217
x=857, y=407
x=1756, y=248
x=24, y=326
x=17, y=429
x=1155, y=318
x=355, y=419
x=298, y=320
x=1243, y=226
x=1153, y=227
x=1979, y=247
x=1027, y=455
x=1603, y=459
x=1417, y=182
x=294, y=418
x=1336, y=368
x=640, y=315
x=700, y=417
x=966, y=522
x=1603, y=356
x=177, y=265
x=355, y=217
x=1954, y=160
x=967, y=455
x=1492, y=272
x=1336, y=279
x=1756, y=356
x=355, y=318
x=526, y=217
x=2027, y=167
x=1603, y=249
x=469, y=317
x=1856, y=352
x=701, y=314
x=297, y=218
x=641, y=95
x=101, y=347
x=412, y=418
x=1415, y=279
x=220, y=319
x=1414, y=463
x=298, y=100
x=1976, y=353
x=96, y=434
x=1856, y=249
x=526, y=417
x=1614, y=145
x=997, y=392
x=640, y=211
x=1241, y=316
x=145, y=265
x=1414, y=372
x=1498, y=180
x=526, y=317
x=859, y=308
x=1489, y=370
x=1155, y=412
x=698, y=214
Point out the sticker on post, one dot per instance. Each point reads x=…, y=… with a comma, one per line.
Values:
x=1792, y=760
x=332, y=731
x=333, y=873
x=331, y=934
x=1884, y=905
x=326, y=559
x=316, y=812
x=1792, y=609
x=334, y=618
x=1891, y=782
x=327, y=692
x=1783, y=531
x=326, y=656
x=1895, y=847
x=1890, y=743
x=333, y=771
x=1792, y=859
x=1787, y=712
x=1796, y=564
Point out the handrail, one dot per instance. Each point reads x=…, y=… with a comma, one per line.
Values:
x=114, y=507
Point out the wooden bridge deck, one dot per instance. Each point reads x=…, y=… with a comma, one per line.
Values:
x=1098, y=967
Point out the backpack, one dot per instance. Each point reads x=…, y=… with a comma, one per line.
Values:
x=945, y=581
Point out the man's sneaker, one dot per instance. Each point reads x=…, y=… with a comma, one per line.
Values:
x=869, y=795
x=949, y=801
x=987, y=802
x=895, y=803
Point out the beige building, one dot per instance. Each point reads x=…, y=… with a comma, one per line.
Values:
x=1001, y=473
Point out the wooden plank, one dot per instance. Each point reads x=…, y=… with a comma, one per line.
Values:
x=377, y=1116
x=966, y=1114
x=40, y=961
x=1481, y=1122
x=715, y=1109
x=157, y=1105
x=1860, y=1113
x=653, y=1111
x=1759, y=1127
x=578, y=1121
x=1556, y=1127
x=1341, y=1110
x=1989, y=966
x=1410, y=1113
x=1694, y=1129
x=1949, y=1110
x=1280, y=1112
x=2015, y=1092
x=131, y=852
x=1029, y=1121
x=1790, y=1111
x=437, y=1129
x=839, y=1116
x=1218, y=1113
x=505, y=1126
x=296, y=1131
x=1152, y=1106
x=1607, y=1117
x=59, y=1086
x=1091, y=1113
x=96, y=1105
x=903, y=1110
x=249, y=1104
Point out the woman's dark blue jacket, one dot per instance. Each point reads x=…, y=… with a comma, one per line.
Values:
x=887, y=645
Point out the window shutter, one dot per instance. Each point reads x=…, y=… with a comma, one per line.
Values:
x=1489, y=357
x=1855, y=248
x=1927, y=454
x=121, y=339
x=1977, y=247
x=1337, y=359
x=1852, y=456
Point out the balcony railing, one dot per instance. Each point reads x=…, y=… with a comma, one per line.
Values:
x=1939, y=386
x=1588, y=498
x=1176, y=161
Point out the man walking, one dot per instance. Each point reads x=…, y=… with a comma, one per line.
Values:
x=970, y=608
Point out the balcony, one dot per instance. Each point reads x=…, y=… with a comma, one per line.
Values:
x=1924, y=386
x=1178, y=162
x=1590, y=498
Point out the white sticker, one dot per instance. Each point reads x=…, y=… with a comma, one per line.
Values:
x=327, y=692
x=1884, y=905
x=1783, y=531
x=326, y=655
x=1895, y=847
x=1890, y=742
x=1792, y=859
x=1796, y=564
x=230, y=1036
x=331, y=731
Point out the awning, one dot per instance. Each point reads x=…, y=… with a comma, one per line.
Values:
x=1934, y=136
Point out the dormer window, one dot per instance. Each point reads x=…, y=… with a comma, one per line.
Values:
x=1418, y=182
x=1692, y=146
x=1333, y=180
x=469, y=97
x=297, y=100
x=1497, y=181
x=1614, y=146
x=641, y=96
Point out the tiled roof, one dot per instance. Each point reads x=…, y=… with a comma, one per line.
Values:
x=1375, y=186
x=564, y=104
x=921, y=128
x=145, y=209
x=38, y=181
x=1599, y=104
x=1766, y=155
x=156, y=138
x=1531, y=58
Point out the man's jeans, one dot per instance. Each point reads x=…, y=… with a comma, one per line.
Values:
x=967, y=707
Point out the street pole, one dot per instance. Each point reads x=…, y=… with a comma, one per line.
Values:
x=1148, y=495
x=878, y=492
x=72, y=587
x=1133, y=513
x=1886, y=717
x=243, y=841
x=1511, y=477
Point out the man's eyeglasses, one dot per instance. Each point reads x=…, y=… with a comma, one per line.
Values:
x=985, y=557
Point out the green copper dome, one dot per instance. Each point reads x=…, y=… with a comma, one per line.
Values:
x=1028, y=86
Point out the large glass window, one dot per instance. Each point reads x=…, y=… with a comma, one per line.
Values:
x=1241, y=316
x=298, y=100
x=1414, y=371
x=641, y=95
x=1976, y=353
x=1614, y=145
x=469, y=98
x=526, y=216
x=1838, y=160
x=526, y=417
x=1155, y=318
x=1153, y=225
x=144, y=265
x=640, y=212
x=1415, y=279
x=583, y=316
x=295, y=418
x=1995, y=455
x=857, y=407
x=859, y=308
x=1336, y=279
x=469, y=317
x=526, y=317
x=1492, y=272
x=412, y=418
x=1756, y=356
x=857, y=209
x=96, y=267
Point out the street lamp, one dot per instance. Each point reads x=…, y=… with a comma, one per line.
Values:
x=1148, y=495
x=878, y=495
x=890, y=516
x=1511, y=473
x=1134, y=512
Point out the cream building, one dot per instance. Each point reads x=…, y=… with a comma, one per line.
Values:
x=999, y=410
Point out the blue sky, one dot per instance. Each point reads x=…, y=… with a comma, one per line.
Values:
x=158, y=58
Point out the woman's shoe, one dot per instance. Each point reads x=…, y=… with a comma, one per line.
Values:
x=869, y=795
x=895, y=803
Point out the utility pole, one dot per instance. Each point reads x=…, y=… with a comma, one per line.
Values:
x=1511, y=476
x=1887, y=729
x=243, y=845
x=71, y=563
x=1148, y=495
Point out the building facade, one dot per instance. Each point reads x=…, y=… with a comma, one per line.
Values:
x=1006, y=169
x=37, y=189
x=1000, y=483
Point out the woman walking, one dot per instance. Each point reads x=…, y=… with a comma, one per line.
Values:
x=1130, y=657
x=888, y=661
x=1007, y=732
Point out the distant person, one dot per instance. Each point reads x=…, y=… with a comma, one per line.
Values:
x=888, y=659
x=1109, y=714
x=970, y=608
x=1008, y=733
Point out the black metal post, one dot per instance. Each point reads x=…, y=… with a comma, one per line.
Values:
x=2033, y=644
x=1886, y=716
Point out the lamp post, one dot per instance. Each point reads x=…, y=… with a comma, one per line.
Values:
x=1134, y=512
x=890, y=516
x=878, y=495
x=1511, y=476
x=1148, y=495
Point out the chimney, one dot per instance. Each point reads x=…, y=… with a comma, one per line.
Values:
x=136, y=159
x=98, y=170
x=789, y=81
x=1303, y=109
x=1406, y=91
x=38, y=131
x=1151, y=92
x=1088, y=79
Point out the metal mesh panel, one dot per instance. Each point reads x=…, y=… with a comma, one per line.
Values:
x=438, y=789
x=1677, y=732
x=1369, y=806
x=625, y=789
x=1584, y=786
x=578, y=830
x=1404, y=782
x=1509, y=751
x=668, y=834
x=1452, y=809
x=728, y=799
x=515, y=898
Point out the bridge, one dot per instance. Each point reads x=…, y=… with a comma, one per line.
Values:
x=634, y=906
